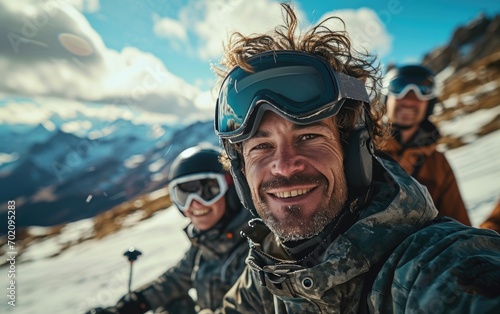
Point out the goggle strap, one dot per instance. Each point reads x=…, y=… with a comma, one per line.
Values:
x=352, y=88
x=241, y=185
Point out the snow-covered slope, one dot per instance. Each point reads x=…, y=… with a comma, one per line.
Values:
x=477, y=168
x=96, y=272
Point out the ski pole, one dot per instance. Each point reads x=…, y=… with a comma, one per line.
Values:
x=131, y=255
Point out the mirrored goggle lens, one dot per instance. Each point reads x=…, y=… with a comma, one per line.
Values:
x=298, y=85
x=205, y=190
x=424, y=89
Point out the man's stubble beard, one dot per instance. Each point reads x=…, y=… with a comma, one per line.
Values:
x=294, y=227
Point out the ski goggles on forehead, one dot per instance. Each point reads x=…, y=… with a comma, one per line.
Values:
x=423, y=88
x=206, y=188
x=300, y=87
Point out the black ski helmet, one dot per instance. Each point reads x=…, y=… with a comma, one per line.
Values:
x=203, y=158
x=412, y=72
x=196, y=159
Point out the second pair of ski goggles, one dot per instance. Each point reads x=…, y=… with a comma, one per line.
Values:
x=423, y=88
x=300, y=87
x=206, y=188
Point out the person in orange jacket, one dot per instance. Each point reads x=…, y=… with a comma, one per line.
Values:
x=410, y=100
x=493, y=221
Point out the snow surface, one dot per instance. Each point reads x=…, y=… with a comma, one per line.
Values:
x=467, y=126
x=477, y=170
x=96, y=273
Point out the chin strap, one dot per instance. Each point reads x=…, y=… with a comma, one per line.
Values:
x=241, y=185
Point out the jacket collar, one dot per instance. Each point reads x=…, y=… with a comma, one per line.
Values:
x=426, y=135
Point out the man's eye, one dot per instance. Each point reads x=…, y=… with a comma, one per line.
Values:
x=261, y=146
x=255, y=147
x=306, y=137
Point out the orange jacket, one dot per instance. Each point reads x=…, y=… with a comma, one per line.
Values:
x=430, y=167
x=493, y=221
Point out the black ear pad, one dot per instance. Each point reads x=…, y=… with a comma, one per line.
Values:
x=232, y=200
x=242, y=188
x=430, y=107
x=358, y=159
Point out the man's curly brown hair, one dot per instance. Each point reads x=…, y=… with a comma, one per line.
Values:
x=332, y=45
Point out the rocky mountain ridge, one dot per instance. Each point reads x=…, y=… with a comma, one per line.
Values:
x=66, y=177
x=468, y=44
x=468, y=74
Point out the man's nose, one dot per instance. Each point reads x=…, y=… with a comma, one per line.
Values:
x=287, y=161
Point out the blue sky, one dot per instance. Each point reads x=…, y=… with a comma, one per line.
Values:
x=414, y=27
x=156, y=54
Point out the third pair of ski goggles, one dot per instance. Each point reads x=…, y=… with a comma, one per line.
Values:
x=300, y=87
x=423, y=88
x=206, y=188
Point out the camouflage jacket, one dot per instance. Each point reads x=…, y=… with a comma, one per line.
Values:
x=421, y=265
x=212, y=264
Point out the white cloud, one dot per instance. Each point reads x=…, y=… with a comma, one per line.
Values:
x=365, y=29
x=52, y=50
x=212, y=22
x=44, y=110
x=22, y=113
x=169, y=28
x=39, y=50
x=206, y=102
x=77, y=127
x=90, y=6
x=93, y=6
x=140, y=79
x=7, y=158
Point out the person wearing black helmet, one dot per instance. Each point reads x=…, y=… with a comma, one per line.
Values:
x=410, y=98
x=338, y=228
x=205, y=193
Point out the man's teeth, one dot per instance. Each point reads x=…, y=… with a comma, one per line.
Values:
x=200, y=212
x=293, y=193
x=407, y=110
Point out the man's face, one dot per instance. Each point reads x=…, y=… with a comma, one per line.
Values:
x=406, y=112
x=296, y=176
x=205, y=217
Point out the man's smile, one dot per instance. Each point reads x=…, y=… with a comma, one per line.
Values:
x=200, y=212
x=291, y=193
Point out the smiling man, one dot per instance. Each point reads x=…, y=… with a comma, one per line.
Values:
x=410, y=99
x=338, y=228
